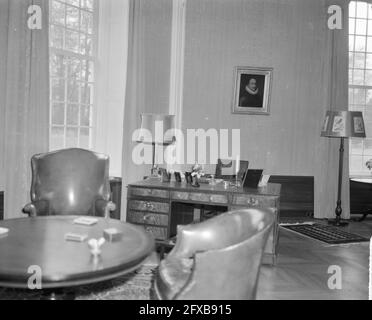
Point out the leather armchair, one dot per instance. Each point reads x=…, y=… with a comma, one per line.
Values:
x=70, y=182
x=219, y=258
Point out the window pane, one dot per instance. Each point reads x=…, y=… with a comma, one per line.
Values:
x=369, y=97
x=84, y=138
x=86, y=22
x=358, y=77
x=368, y=78
x=352, y=9
x=361, y=27
x=359, y=96
x=351, y=43
x=361, y=9
x=356, y=146
x=72, y=91
x=369, y=44
x=89, y=46
x=83, y=43
x=72, y=114
x=57, y=66
x=86, y=93
x=71, y=137
x=56, y=138
x=87, y=71
x=351, y=59
x=85, y=116
x=359, y=60
x=369, y=28
x=58, y=13
x=72, y=41
x=74, y=68
x=351, y=26
x=87, y=4
x=56, y=37
x=58, y=113
x=360, y=43
x=72, y=17
x=58, y=89
x=356, y=163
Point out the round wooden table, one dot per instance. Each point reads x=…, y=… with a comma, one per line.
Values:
x=40, y=242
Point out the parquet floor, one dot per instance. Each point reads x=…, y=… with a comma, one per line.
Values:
x=302, y=268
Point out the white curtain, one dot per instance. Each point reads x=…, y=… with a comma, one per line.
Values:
x=24, y=92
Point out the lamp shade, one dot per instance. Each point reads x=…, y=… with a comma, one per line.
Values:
x=156, y=128
x=343, y=124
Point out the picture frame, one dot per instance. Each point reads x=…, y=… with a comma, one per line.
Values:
x=252, y=90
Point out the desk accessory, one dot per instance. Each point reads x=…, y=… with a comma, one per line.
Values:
x=252, y=178
x=188, y=177
x=177, y=176
x=112, y=234
x=87, y=221
x=75, y=237
x=95, y=246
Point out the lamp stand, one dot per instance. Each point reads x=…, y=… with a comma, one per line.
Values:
x=337, y=222
x=154, y=168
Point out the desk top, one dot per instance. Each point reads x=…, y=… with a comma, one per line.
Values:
x=40, y=241
x=272, y=189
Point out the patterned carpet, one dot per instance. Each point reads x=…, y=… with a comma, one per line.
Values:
x=134, y=286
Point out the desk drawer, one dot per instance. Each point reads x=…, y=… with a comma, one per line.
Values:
x=150, y=206
x=144, y=192
x=254, y=201
x=199, y=197
x=148, y=218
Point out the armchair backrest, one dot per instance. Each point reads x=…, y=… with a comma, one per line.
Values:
x=70, y=181
x=222, y=231
x=224, y=254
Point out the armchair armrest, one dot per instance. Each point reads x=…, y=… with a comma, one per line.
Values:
x=105, y=207
x=36, y=208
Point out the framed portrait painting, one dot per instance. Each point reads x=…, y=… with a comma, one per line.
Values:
x=252, y=89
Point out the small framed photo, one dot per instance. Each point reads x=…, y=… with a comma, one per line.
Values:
x=252, y=90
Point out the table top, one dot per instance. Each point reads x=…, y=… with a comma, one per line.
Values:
x=40, y=241
x=271, y=189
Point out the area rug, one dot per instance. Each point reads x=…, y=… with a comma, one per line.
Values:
x=324, y=233
x=133, y=286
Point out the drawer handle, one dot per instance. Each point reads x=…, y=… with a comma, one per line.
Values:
x=149, y=206
x=147, y=218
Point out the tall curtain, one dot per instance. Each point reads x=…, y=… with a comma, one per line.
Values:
x=148, y=70
x=24, y=99
x=326, y=178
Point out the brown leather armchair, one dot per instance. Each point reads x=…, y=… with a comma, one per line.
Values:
x=70, y=182
x=216, y=259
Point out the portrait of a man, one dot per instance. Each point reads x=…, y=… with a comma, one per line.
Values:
x=252, y=90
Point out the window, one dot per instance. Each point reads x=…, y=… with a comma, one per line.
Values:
x=72, y=43
x=360, y=81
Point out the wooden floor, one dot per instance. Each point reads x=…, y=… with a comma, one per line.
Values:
x=301, y=270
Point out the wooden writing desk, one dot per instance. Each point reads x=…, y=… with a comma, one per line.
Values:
x=157, y=205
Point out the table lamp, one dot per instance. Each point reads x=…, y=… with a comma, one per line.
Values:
x=342, y=124
x=156, y=130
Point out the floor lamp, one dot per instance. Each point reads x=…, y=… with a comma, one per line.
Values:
x=342, y=124
x=156, y=129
